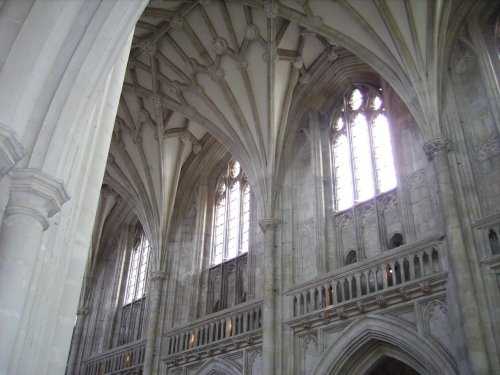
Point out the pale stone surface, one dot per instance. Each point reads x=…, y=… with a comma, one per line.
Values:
x=264, y=80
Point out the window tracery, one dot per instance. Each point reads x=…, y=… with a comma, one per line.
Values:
x=137, y=272
x=231, y=231
x=363, y=161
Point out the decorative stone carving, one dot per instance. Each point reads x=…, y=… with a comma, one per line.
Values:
x=35, y=194
x=403, y=292
x=435, y=146
x=82, y=311
x=219, y=45
x=344, y=220
x=361, y=306
x=325, y=317
x=176, y=22
x=332, y=54
x=435, y=320
x=158, y=276
x=415, y=180
x=271, y=9
x=268, y=223
x=251, y=32
x=148, y=47
x=488, y=149
x=11, y=149
x=306, y=324
x=366, y=210
x=340, y=311
x=381, y=301
x=298, y=63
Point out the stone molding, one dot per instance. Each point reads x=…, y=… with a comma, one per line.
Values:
x=35, y=194
x=268, y=223
x=11, y=149
x=435, y=146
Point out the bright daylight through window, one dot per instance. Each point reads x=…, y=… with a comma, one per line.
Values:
x=137, y=272
x=362, y=150
x=231, y=231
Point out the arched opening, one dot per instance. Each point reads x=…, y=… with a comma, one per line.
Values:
x=351, y=257
x=377, y=345
x=391, y=366
x=396, y=240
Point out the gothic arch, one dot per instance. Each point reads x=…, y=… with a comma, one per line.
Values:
x=372, y=337
x=217, y=366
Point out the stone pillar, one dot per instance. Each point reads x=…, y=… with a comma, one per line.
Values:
x=468, y=317
x=34, y=198
x=157, y=280
x=77, y=338
x=269, y=226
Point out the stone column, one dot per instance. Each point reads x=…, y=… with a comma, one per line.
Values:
x=468, y=317
x=34, y=198
x=77, y=338
x=269, y=226
x=157, y=280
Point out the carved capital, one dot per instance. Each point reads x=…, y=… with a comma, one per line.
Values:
x=267, y=224
x=11, y=149
x=436, y=145
x=82, y=311
x=158, y=276
x=35, y=194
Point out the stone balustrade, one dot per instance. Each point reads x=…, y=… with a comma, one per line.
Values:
x=392, y=270
x=240, y=320
x=126, y=359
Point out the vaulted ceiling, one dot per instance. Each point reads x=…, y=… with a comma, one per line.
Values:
x=232, y=67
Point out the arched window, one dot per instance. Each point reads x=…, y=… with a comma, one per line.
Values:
x=363, y=161
x=231, y=231
x=137, y=271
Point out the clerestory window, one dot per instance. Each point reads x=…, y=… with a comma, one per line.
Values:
x=363, y=162
x=137, y=272
x=231, y=231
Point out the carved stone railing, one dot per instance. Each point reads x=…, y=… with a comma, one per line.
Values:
x=125, y=359
x=392, y=271
x=243, y=322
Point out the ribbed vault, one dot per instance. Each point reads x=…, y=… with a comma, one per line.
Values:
x=239, y=68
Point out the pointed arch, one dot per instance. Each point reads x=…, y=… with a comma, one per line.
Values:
x=217, y=366
x=372, y=337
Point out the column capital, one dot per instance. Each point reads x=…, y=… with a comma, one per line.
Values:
x=82, y=311
x=436, y=145
x=268, y=223
x=11, y=149
x=35, y=194
x=158, y=276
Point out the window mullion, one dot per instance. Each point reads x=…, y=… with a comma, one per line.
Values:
x=351, y=155
x=225, y=240
x=372, y=155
